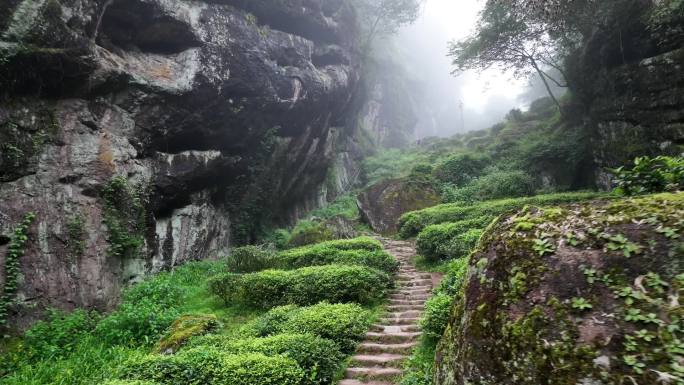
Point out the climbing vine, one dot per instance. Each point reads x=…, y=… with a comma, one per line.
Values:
x=76, y=231
x=125, y=215
x=14, y=253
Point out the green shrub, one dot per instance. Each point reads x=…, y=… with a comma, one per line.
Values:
x=651, y=175
x=272, y=321
x=359, y=243
x=307, y=232
x=433, y=242
x=160, y=290
x=128, y=382
x=147, y=310
x=436, y=316
x=248, y=259
x=460, y=169
x=455, y=276
x=320, y=358
x=504, y=184
x=413, y=222
x=346, y=324
x=315, y=256
x=278, y=238
x=204, y=365
x=264, y=289
x=59, y=334
x=344, y=206
x=185, y=327
x=223, y=286
x=135, y=324
x=460, y=246
x=309, y=285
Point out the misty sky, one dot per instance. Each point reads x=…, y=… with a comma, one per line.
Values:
x=486, y=97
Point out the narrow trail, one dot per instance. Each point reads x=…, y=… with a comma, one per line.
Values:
x=380, y=357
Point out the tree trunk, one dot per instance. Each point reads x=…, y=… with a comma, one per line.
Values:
x=546, y=83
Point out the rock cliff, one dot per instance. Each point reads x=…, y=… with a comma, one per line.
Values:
x=145, y=133
x=628, y=76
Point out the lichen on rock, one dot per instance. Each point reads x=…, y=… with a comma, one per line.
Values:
x=586, y=293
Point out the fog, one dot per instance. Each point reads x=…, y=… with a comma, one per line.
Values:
x=484, y=98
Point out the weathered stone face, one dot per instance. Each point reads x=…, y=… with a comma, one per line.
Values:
x=570, y=296
x=211, y=107
x=632, y=92
x=383, y=203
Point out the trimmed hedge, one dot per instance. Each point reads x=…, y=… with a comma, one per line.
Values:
x=210, y=366
x=359, y=243
x=128, y=382
x=435, y=240
x=248, y=259
x=304, y=286
x=346, y=324
x=320, y=358
x=436, y=316
x=414, y=222
x=378, y=259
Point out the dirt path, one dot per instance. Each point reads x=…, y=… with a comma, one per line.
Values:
x=380, y=356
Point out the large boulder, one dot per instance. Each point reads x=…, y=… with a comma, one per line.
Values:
x=585, y=294
x=383, y=203
x=223, y=117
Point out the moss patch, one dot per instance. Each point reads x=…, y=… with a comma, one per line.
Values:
x=587, y=292
x=184, y=328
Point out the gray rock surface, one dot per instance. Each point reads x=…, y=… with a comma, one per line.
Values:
x=232, y=115
x=382, y=204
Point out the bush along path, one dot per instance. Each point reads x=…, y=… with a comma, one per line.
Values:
x=379, y=358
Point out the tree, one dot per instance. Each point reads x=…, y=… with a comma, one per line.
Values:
x=514, y=35
x=385, y=17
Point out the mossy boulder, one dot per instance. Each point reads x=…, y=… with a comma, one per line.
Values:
x=184, y=328
x=584, y=294
x=382, y=204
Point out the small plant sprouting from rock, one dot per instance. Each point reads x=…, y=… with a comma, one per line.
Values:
x=543, y=246
x=581, y=304
x=620, y=243
x=15, y=251
x=76, y=231
x=125, y=216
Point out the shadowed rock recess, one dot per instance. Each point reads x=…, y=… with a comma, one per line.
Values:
x=380, y=357
x=214, y=114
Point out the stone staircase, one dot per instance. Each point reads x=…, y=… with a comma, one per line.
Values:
x=379, y=358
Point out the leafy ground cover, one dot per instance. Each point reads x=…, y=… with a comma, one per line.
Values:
x=172, y=329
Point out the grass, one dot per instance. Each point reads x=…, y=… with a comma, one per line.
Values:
x=87, y=348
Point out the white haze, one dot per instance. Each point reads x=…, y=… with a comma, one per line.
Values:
x=486, y=97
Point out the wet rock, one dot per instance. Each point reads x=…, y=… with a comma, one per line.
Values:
x=383, y=203
x=564, y=296
x=222, y=116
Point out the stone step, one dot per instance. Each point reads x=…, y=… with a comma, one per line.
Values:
x=385, y=360
x=405, y=307
x=399, y=321
x=417, y=275
x=412, y=287
x=408, y=297
x=393, y=337
x=414, y=282
x=411, y=327
x=375, y=374
x=407, y=302
x=374, y=347
x=350, y=381
x=413, y=291
x=404, y=314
